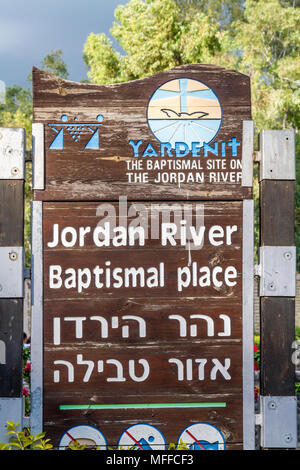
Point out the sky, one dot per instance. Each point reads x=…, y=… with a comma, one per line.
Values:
x=30, y=29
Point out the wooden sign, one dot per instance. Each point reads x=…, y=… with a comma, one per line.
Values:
x=146, y=244
x=177, y=135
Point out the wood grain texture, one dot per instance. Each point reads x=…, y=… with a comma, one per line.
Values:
x=277, y=336
x=277, y=314
x=76, y=173
x=163, y=339
x=11, y=310
x=92, y=328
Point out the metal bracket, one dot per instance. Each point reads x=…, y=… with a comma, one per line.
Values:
x=277, y=155
x=277, y=271
x=12, y=272
x=12, y=153
x=38, y=156
x=279, y=422
x=258, y=419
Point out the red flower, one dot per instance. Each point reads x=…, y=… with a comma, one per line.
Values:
x=27, y=367
x=25, y=391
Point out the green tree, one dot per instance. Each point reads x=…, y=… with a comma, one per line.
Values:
x=155, y=36
x=17, y=112
x=258, y=38
x=266, y=47
x=225, y=12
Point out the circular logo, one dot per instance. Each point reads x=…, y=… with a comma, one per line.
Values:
x=202, y=436
x=184, y=110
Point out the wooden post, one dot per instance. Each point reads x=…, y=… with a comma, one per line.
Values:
x=12, y=159
x=277, y=288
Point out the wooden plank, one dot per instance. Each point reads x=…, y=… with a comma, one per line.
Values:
x=157, y=370
x=49, y=89
x=11, y=347
x=89, y=256
x=146, y=214
x=156, y=312
x=154, y=319
x=228, y=420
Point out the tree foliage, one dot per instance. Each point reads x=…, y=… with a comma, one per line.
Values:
x=258, y=38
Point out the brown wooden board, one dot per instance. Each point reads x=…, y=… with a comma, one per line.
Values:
x=164, y=342
x=117, y=134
